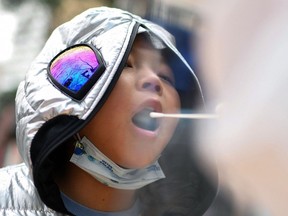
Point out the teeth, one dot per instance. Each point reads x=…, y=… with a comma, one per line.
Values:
x=143, y=120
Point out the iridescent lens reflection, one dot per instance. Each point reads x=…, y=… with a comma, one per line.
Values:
x=73, y=68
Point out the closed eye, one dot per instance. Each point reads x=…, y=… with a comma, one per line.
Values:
x=167, y=79
x=128, y=65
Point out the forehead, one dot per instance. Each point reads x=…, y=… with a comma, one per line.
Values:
x=145, y=46
x=143, y=42
x=150, y=41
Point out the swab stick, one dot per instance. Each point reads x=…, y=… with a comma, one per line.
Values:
x=180, y=115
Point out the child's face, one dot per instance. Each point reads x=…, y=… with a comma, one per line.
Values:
x=122, y=129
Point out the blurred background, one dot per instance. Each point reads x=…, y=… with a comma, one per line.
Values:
x=239, y=51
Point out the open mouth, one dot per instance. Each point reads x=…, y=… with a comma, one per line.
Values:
x=143, y=120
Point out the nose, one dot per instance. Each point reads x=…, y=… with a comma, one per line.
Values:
x=149, y=81
x=151, y=86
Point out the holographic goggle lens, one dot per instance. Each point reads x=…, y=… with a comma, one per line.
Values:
x=76, y=69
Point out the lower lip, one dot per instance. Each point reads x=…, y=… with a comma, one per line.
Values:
x=147, y=133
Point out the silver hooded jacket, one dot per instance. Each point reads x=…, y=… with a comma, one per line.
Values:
x=18, y=195
x=46, y=117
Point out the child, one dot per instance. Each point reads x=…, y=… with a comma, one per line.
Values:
x=83, y=125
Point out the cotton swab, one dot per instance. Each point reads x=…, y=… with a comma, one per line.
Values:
x=181, y=115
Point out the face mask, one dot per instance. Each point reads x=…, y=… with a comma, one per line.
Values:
x=87, y=157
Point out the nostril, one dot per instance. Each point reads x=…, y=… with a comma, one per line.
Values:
x=157, y=88
x=151, y=86
x=146, y=85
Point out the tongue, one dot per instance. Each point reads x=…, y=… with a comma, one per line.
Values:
x=143, y=120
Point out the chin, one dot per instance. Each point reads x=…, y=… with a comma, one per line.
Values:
x=140, y=164
x=140, y=156
x=137, y=163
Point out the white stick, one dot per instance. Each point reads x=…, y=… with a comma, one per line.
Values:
x=180, y=115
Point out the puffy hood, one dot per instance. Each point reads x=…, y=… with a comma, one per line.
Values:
x=46, y=117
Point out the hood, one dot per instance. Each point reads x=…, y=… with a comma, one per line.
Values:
x=46, y=117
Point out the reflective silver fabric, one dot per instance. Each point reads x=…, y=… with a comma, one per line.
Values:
x=18, y=195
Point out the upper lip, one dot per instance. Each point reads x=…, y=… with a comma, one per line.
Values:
x=152, y=104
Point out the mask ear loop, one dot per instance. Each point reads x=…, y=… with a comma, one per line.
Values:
x=77, y=137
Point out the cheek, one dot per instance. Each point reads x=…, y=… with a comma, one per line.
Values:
x=119, y=98
x=173, y=101
x=173, y=105
x=123, y=89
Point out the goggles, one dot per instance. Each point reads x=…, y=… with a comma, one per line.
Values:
x=76, y=69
